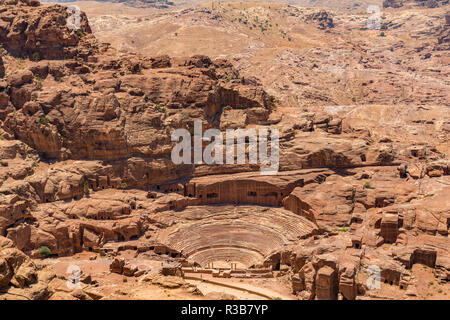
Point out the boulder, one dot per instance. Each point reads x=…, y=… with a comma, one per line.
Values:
x=16, y=268
x=117, y=265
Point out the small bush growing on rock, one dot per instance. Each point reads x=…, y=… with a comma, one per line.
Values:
x=45, y=251
x=274, y=99
x=80, y=33
x=36, y=56
x=160, y=108
x=38, y=82
x=125, y=280
x=86, y=187
x=44, y=120
x=367, y=185
x=321, y=179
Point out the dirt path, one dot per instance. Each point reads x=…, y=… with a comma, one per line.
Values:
x=242, y=291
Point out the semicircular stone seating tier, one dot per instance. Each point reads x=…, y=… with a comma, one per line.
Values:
x=240, y=234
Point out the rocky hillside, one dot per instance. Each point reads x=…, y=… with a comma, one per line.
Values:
x=304, y=56
x=158, y=4
x=422, y=3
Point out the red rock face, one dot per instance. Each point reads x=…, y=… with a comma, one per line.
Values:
x=39, y=31
x=113, y=102
x=2, y=68
x=85, y=168
x=425, y=3
x=444, y=36
x=392, y=3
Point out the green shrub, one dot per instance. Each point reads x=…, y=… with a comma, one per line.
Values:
x=39, y=84
x=86, y=187
x=45, y=251
x=44, y=120
x=321, y=179
x=36, y=56
x=80, y=33
x=273, y=99
x=161, y=109
x=367, y=185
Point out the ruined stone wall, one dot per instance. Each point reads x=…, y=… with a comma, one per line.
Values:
x=326, y=284
x=295, y=204
x=240, y=192
x=389, y=227
x=424, y=256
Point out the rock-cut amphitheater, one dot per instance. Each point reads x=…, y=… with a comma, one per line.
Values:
x=87, y=181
